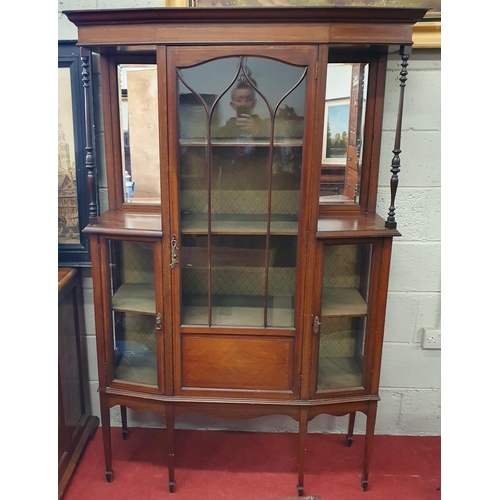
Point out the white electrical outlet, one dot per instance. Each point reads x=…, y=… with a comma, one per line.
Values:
x=431, y=338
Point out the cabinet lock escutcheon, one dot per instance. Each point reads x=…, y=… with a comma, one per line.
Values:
x=317, y=324
x=173, y=251
x=158, y=321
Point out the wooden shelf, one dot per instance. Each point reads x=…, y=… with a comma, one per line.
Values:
x=237, y=316
x=123, y=223
x=358, y=226
x=235, y=225
x=343, y=302
x=228, y=311
x=230, y=142
x=135, y=298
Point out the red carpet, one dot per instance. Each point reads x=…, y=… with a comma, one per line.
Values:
x=214, y=465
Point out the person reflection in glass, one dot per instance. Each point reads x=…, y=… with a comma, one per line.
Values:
x=245, y=123
x=242, y=163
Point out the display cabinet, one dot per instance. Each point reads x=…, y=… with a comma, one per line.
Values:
x=241, y=269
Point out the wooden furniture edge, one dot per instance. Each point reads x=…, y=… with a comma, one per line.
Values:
x=87, y=434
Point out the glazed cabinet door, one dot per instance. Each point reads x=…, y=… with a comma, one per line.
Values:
x=240, y=147
x=346, y=316
x=133, y=317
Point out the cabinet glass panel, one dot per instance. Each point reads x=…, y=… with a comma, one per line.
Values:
x=344, y=309
x=138, y=95
x=194, y=279
x=133, y=311
x=345, y=105
x=240, y=162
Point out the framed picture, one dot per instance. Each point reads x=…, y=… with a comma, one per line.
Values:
x=426, y=34
x=435, y=5
x=335, y=133
x=72, y=191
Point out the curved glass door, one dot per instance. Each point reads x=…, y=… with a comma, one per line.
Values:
x=135, y=332
x=344, y=310
x=241, y=125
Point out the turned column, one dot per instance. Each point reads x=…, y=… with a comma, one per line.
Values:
x=89, y=146
x=391, y=223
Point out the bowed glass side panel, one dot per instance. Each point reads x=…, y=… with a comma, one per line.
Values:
x=133, y=311
x=344, y=310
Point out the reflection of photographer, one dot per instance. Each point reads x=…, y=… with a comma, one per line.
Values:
x=245, y=123
x=244, y=165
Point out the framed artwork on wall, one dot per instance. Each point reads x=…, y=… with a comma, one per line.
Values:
x=72, y=187
x=426, y=34
x=335, y=131
x=434, y=5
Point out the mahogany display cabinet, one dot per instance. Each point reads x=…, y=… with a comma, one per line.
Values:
x=241, y=269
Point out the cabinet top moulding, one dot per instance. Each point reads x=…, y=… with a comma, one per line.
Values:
x=357, y=25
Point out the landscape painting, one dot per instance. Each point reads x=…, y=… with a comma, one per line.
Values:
x=336, y=131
